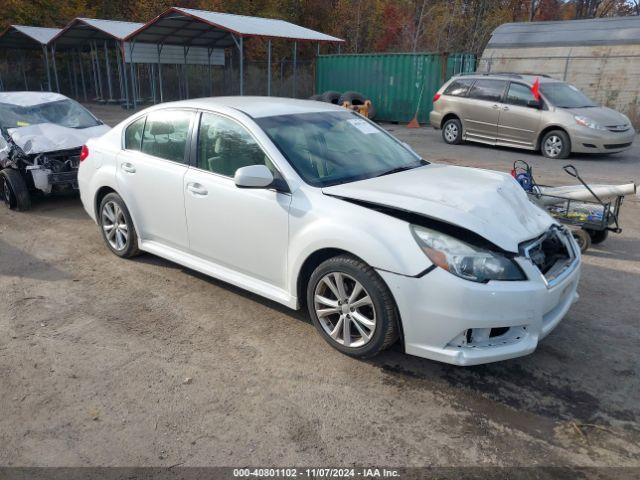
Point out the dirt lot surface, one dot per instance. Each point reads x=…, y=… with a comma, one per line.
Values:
x=106, y=361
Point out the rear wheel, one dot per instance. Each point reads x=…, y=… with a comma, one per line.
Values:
x=352, y=307
x=14, y=193
x=555, y=144
x=597, y=236
x=583, y=239
x=117, y=227
x=452, y=131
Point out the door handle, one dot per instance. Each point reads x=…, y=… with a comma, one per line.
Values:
x=127, y=167
x=495, y=106
x=505, y=108
x=197, y=189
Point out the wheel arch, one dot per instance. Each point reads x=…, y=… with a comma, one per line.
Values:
x=548, y=129
x=448, y=117
x=316, y=258
x=100, y=194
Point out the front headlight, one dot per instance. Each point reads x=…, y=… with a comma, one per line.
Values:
x=464, y=260
x=587, y=122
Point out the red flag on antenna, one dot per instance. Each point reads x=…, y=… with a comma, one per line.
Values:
x=535, y=88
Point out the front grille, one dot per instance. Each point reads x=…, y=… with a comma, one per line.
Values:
x=617, y=128
x=552, y=253
x=613, y=146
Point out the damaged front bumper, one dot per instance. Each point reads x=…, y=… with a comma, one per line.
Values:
x=452, y=320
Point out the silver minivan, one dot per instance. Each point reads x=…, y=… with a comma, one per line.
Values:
x=501, y=109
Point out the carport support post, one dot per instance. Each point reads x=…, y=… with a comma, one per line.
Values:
x=93, y=71
x=119, y=64
x=241, y=66
x=133, y=77
x=55, y=67
x=269, y=67
x=295, y=68
x=24, y=71
x=84, y=85
x=159, y=49
x=186, y=73
x=209, y=52
x=46, y=65
x=108, y=67
x=99, y=71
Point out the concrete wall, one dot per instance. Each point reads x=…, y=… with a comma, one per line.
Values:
x=610, y=75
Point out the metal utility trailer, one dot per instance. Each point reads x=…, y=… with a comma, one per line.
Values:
x=590, y=220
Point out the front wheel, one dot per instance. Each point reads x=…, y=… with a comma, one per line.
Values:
x=555, y=144
x=352, y=307
x=117, y=227
x=13, y=190
x=452, y=131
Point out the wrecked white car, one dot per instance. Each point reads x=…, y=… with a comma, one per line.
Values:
x=41, y=138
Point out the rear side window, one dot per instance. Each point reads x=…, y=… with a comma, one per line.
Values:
x=491, y=90
x=133, y=135
x=519, y=94
x=166, y=133
x=458, y=88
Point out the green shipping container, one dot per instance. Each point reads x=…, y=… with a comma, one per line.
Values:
x=395, y=82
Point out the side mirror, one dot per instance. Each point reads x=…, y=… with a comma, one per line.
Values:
x=534, y=104
x=253, y=176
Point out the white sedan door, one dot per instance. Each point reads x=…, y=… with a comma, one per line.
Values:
x=246, y=230
x=150, y=175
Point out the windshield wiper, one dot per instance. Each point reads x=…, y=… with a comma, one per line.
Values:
x=398, y=170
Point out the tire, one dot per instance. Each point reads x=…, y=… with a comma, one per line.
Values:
x=583, y=239
x=555, y=144
x=13, y=190
x=373, y=325
x=317, y=98
x=330, y=97
x=115, y=205
x=452, y=131
x=597, y=236
x=353, y=98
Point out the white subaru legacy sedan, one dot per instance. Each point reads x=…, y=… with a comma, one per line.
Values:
x=312, y=205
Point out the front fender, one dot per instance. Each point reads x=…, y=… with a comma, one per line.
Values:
x=319, y=222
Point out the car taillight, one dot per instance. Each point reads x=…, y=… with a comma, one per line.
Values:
x=84, y=153
x=436, y=97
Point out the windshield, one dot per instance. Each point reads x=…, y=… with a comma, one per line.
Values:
x=67, y=113
x=563, y=95
x=330, y=148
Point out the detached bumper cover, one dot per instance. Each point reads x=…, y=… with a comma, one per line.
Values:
x=438, y=308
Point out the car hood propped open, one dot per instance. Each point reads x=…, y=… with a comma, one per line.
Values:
x=490, y=204
x=49, y=137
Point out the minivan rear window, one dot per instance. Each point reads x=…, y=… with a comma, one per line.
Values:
x=459, y=88
x=486, y=89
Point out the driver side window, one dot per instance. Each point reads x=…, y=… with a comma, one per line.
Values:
x=224, y=146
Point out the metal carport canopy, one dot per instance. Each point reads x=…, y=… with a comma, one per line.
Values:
x=185, y=26
x=81, y=30
x=26, y=38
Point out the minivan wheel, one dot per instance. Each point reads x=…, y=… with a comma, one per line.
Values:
x=14, y=193
x=452, y=131
x=555, y=144
x=117, y=227
x=352, y=307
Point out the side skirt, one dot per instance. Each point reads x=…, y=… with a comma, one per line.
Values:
x=221, y=273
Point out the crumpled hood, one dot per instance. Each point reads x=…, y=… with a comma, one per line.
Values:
x=490, y=204
x=49, y=137
x=604, y=116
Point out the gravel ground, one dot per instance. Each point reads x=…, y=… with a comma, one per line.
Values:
x=112, y=362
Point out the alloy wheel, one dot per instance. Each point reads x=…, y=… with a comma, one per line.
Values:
x=345, y=309
x=451, y=132
x=553, y=146
x=114, y=225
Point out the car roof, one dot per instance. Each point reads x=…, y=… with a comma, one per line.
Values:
x=28, y=99
x=527, y=78
x=257, y=107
